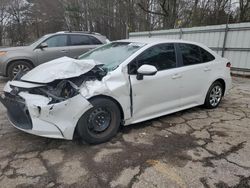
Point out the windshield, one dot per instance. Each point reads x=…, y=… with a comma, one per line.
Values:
x=113, y=54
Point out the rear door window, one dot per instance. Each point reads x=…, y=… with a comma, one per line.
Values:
x=76, y=40
x=94, y=40
x=190, y=54
x=206, y=56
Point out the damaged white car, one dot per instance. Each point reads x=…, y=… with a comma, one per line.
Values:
x=121, y=83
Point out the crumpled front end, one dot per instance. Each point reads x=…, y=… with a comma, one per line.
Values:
x=41, y=115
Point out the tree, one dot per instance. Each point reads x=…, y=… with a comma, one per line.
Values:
x=3, y=19
x=244, y=10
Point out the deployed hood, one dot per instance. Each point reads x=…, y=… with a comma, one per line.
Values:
x=59, y=69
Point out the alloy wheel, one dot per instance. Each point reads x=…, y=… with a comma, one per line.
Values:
x=215, y=95
x=20, y=67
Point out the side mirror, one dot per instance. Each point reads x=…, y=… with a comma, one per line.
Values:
x=43, y=45
x=146, y=70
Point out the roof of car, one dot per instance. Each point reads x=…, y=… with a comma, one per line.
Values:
x=156, y=40
x=77, y=32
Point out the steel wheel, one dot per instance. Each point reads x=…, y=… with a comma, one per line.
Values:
x=215, y=96
x=99, y=120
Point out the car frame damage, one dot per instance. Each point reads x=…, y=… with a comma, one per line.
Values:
x=50, y=109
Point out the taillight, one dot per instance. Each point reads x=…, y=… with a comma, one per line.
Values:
x=228, y=65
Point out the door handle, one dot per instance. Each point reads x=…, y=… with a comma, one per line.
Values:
x=207, y=69
x=175, y=76
x=63, y=51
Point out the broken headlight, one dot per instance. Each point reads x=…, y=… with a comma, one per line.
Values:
x=58, y=92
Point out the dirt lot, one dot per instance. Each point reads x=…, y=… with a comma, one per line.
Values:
x=193, y=148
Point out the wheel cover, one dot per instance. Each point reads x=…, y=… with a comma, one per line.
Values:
x=99, y=120
x=215, y=95
x=20, y=67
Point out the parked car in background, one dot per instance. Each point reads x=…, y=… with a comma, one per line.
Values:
x=48, y=47
x=120, y=83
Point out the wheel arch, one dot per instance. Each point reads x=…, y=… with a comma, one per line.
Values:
x=15, y=60
x=106, y=97
x=222, y=81
x=112, y=99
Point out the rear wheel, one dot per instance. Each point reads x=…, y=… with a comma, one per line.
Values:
x=101, y=122
x=17, y=66
x=214, y=95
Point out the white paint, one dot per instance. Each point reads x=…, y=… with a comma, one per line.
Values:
x=25, y=84
x=147, y=69
x=58, y=69
x=165, y=92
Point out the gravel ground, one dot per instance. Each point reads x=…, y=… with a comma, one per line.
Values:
x=192, y=148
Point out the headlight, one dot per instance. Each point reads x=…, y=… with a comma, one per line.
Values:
x=2, y=53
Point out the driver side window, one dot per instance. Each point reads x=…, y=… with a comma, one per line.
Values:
x=57, y=41
x=161, y=56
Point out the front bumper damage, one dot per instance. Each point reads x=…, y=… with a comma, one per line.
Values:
x=33, y=114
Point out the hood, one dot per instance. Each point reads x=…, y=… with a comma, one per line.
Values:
x=58, y=69
x=15, y=48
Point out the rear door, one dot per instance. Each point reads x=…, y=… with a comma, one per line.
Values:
x=79, y=44
x=57, y=47
x=195, y=73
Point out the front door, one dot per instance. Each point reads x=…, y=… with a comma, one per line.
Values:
x=57, y=47
x=158, y=94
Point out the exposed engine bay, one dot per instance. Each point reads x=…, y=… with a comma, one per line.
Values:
x=60, y=90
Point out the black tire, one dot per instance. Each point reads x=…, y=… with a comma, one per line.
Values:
x=96, y=133
x=12, y=69
x=210, y=97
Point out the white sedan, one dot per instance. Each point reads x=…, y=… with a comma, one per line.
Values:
x=120, y=83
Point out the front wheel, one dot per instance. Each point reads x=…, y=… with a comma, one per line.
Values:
x=18, y=66
x=214, y=95
x=100, y=123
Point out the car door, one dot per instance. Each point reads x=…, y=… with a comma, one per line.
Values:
x=57, y=47
x=158, y=94
x=195, y=74
x=79, y=44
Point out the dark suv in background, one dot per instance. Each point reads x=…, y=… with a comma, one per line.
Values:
x=48, y=47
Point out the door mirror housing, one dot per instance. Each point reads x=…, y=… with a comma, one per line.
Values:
x=43, y=45
x=146, y=70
